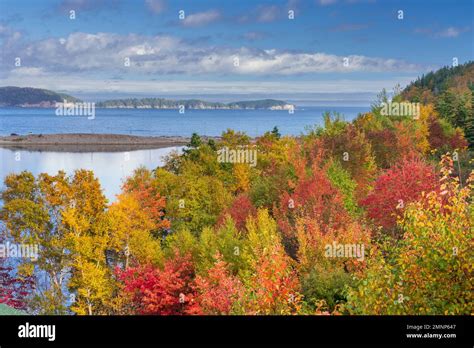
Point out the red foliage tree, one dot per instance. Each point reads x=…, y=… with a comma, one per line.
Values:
x=239, y=211
x=163, y=292
x=14, y=290
x=313, y=197
x=438, y=138
x=219, y=289
x=396, y=187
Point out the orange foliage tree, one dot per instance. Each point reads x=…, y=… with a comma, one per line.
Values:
x=140, y=185
x=218, y=290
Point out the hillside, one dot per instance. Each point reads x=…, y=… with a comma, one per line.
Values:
x=451, y=91
x=31, y=97
x=427, y=87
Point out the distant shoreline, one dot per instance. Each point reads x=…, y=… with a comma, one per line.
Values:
x=87, y=142
x=36, y=97
x=148, y=107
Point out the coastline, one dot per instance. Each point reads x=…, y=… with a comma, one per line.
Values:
x=88, y=142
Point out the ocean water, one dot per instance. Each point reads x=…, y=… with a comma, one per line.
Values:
x=111, y=168
x=167, y=122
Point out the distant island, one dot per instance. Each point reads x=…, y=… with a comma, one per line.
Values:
x=32, y=97
x=160, y=103
x=43, y=98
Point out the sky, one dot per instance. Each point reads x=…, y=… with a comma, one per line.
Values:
x=298, y=50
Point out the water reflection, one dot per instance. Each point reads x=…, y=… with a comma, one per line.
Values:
x=110, y=167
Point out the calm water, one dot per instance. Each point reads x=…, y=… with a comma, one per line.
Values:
x=112, y=168
x=166, y=122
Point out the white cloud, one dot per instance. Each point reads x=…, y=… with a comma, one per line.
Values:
x=452, y=32
x=22, y=72
x=201, y=18
x=10, y=36
x=268, y=14
x=156, y=6
x=164, y=55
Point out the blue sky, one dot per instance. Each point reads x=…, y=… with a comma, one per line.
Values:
x=229, y=48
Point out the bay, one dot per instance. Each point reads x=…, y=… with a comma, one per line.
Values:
x=111, y=168
x=152, y=122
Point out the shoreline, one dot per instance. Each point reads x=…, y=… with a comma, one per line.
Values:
x=88, y=142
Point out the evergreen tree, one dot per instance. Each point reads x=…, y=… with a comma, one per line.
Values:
x=469, y=126
x=276, y=132
x=195, y=141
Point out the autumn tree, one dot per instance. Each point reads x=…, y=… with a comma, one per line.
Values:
x=130, y=232
x=64, y=217
x=325, y=278
x=272, y=285
x=167, y=291
x=394, y=137
x=342, y=180
x=443, y=137
x=15, y=289
x=240, y=210
x=87, y=239
x=227, y=242
x=396, y=187
x=141, y=186
x=313, y=196
x=31, y=215
x=430, y=270
x=219, y=290
x=193, y=200
x=350, y=146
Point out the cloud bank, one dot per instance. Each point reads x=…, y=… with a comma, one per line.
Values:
x=167, y=55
